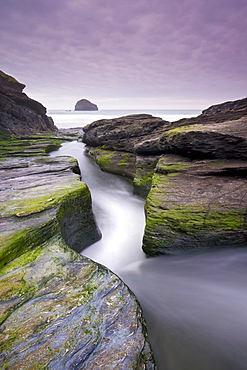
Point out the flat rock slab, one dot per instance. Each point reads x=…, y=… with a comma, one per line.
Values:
x=60, y=310
x=33, y=190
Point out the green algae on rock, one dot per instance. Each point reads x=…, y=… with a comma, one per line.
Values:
x=60, y=310
x=194, y=204
x=137, y=168
x=39, y=197
x=117, y=162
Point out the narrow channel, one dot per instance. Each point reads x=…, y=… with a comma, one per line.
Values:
x=195, y=304
x=119, y=214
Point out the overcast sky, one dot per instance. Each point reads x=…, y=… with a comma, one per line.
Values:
x=160, y=54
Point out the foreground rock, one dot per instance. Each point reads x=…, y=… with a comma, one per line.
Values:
x=196, y=169
x=20, y=115
x=63, y=311
x=86, y=105
x=58, y=309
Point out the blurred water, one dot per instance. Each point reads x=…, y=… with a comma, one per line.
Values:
x=195, y=304
x=119, y=214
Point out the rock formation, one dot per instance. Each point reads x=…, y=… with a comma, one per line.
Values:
x=194, y=170
x=11, y=82
x=236, y=105
x=58, y=309
x=18, y=113
x=86, y=105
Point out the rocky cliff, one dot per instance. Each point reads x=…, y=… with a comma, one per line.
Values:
x=194, y=171
x=20, y=115
x=86, y=105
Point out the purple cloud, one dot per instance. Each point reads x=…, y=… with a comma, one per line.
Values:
x=180, y=50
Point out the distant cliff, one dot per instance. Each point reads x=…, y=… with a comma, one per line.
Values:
x=20, y=115
x=85, y=104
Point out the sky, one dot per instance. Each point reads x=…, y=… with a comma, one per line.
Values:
x=126, y=54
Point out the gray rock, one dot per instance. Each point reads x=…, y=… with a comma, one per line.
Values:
x=20, y=115
x=86, y=105
x=235, y=105
x=62, y=311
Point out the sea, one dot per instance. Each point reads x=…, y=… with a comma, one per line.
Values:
x=70, y=118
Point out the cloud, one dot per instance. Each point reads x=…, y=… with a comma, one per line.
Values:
x=126, y=48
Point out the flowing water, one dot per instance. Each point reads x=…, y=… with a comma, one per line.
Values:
x=119, y=214
x=195, y=304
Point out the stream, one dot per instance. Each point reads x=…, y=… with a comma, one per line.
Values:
x=195, y=304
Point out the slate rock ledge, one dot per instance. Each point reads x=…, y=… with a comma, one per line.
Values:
x=58, y=309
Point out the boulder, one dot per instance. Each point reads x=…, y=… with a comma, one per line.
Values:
x=124, y=133
x=86, y=105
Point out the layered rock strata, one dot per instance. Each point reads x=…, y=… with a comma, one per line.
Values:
x=196, y=169
x=58, y=309
x=18, y=113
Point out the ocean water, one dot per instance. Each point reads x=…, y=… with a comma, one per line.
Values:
x=69, y=118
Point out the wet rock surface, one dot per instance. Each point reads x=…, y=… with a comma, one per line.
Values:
x=196, y=169
x=58, y=309
x=63, y=311
x=196, y=204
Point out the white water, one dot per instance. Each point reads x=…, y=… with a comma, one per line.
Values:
x=119, y=214
x=195, y=304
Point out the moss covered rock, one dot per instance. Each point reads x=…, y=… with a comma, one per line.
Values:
x=40, y=197
x=137, y=168
x=195, y=204
x=192, y=203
